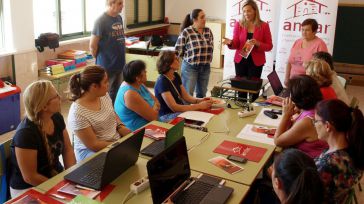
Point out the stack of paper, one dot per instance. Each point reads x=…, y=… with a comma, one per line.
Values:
x=265, y=120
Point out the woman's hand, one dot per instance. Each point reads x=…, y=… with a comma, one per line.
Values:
x=206, y=104
x=254, y=42
x=288, y=107
x=226, y=41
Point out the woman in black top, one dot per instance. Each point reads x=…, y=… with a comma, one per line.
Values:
x=39, y=140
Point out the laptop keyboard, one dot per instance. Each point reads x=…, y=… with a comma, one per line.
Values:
x=154, y=148
x=195, y=193
x=95, y=168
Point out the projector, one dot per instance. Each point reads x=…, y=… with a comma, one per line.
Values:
x=253, y=84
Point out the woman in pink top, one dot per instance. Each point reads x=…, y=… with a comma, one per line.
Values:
x=303, y=49
x=300, y=132
x=322, y=73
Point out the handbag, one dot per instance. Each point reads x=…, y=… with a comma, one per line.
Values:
x=50, y=40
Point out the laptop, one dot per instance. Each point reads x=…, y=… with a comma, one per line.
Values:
x=169, y=178
x=277, y=86
x=172, y=135
x=105, y=167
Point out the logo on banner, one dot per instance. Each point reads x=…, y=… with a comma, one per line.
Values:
x=306, y=7
x=237, y=11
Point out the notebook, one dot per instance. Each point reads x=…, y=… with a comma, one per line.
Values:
x=105, y=167
x=169, y=178
x=277, y=86
x=172, y=135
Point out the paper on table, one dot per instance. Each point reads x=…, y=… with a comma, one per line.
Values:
x=248, y=134
x=6, y=88
x=168, y=48
x=265, y=120
x=197, y=115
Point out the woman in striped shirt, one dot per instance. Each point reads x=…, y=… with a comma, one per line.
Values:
x=195, y=46
x=91, y=117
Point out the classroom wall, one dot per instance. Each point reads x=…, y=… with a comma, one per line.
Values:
x=176, y=10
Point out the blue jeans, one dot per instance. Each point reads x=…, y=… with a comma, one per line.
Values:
x=82, y=154
x=195, y=77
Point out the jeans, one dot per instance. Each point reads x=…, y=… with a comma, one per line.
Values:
x=195, y=77
x=115, y=79
x=82, y=154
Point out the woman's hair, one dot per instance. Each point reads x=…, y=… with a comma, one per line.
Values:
x=299, y=177
x=320, y=71
x=348, y=120
x=164, y=61
x=305, y=92
x=81, y=82
x=257, y=20
x=326, y=57
x=189, y=18
x=312, y=22
x=132, y=70
x=35, y=97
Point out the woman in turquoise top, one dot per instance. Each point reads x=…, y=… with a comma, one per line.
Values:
x=134, y=104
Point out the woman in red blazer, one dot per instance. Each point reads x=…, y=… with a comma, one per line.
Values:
x=252, y=30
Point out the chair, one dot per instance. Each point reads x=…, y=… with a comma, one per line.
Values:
x=342, y=81
x=4, y=170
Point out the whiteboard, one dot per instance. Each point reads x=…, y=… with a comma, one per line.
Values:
x=176, y=10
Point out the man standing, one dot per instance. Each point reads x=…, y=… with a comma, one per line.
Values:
x=107, y=44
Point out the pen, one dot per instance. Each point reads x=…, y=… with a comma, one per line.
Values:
x=84, y=188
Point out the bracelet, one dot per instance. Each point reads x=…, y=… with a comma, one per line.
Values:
x=119, y=125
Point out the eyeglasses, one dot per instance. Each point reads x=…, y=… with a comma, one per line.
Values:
x=54, y=97
x=316, y=121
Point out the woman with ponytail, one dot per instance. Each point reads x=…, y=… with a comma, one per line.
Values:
x=195, y=46
x=341, y=165
x=295, y=178
x=40, y=139
x=91, y=118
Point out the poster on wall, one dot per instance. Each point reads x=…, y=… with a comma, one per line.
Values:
x=268, y=12
x=292, y=14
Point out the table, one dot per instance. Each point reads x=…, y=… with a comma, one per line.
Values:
x=199, y=162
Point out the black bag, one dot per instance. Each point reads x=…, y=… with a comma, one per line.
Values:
x=50, y=40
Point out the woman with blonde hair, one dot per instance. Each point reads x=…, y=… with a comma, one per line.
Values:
x=92, y=118
x=321, y=72
x=39, y=140
x=253, y=31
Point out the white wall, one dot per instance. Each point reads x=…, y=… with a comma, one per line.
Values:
x=176, y=10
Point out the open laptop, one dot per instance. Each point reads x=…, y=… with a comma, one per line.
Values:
x=277, y=86
x=105, y=167
x=172, y=135
x=169, y=178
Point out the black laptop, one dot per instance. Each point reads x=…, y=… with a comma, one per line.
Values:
x=169, y=178
x=277, y=86
x=172, y=135
x=105, y=167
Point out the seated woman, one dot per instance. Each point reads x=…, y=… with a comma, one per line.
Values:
x=134, y=104
x=91, y=117
x=170, y=92
x=300, y=132
x=295, y=178
x=321, y=72
x=40, y=139
x=342, y=164
x=336, y=84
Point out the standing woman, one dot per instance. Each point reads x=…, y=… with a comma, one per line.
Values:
x=253, y=30
x=342, y=164
x=92, y=118
x=303, y=49
x=39, y=140
x=195, y=46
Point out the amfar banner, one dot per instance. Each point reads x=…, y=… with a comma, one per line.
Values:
x=268, y=10
x=292, y=14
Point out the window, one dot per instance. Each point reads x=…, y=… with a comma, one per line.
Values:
x=140, y=13
x=68, y=18
x=1, y=25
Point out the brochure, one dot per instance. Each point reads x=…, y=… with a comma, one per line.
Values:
x=252, y=153
x=34, y=197
x=72, y=189
x=225, y=165
x=155, y=132
x=257, y=133
x=248, y=47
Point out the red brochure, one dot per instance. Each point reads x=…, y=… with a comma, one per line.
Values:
x=33, y=196
x=252, y=153
x=155, y=132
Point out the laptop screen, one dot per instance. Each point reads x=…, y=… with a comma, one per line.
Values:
x=174, y=133
x=168, y=170
x=275, y=82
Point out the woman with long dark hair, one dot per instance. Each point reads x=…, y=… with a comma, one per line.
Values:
x=342, y=164
x=195, y=46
